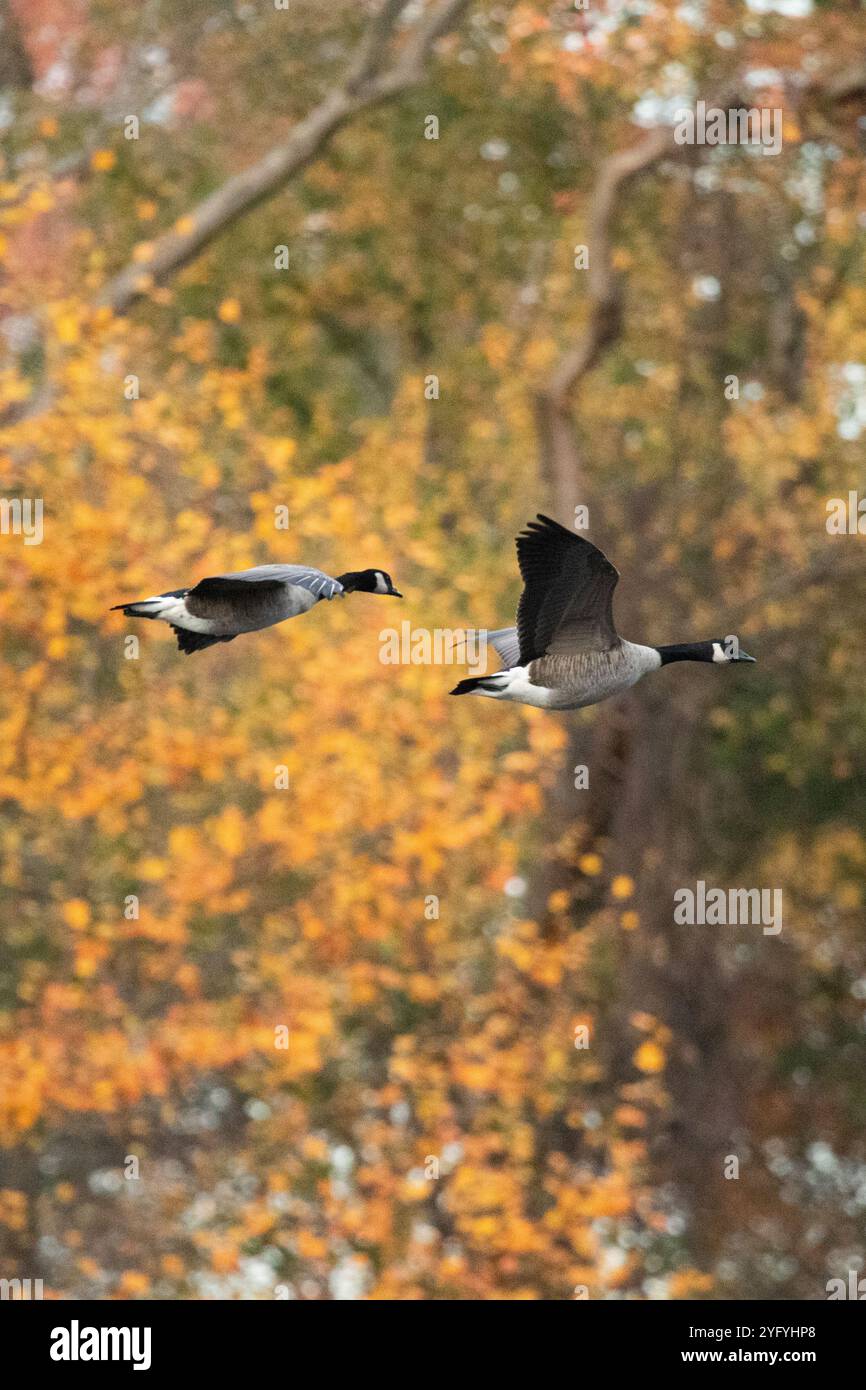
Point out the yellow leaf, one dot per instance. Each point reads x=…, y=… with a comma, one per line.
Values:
x=230, y=311
x=76, y=913
x=153, y=869
x=133, y=1281
x=649, y=1057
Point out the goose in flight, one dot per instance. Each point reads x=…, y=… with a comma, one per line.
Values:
x=565, y=652
x=219, y=609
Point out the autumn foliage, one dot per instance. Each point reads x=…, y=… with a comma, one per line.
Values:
x=283, y=1009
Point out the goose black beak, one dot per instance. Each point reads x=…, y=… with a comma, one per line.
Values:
x=744, y=656
x=395, y=593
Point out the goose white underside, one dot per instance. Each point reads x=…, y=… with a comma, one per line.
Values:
x=171, y=610
x=514, y=684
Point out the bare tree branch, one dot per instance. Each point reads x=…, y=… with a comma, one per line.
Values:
x=556, y=437
x=558, y=450
x=605, y=292
x=368, y=83
x=372, y=50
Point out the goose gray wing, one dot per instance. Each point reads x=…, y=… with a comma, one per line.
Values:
x=250, y=596
x=506, y=644
x=300, y=576
x=567, y=602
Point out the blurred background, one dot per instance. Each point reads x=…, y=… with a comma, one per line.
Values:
x=316, y=983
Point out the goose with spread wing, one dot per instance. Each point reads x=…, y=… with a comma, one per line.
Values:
x=565, y=651
x=222, y=607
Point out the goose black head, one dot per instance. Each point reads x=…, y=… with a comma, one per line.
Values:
x=368, y=582
x=721, y=651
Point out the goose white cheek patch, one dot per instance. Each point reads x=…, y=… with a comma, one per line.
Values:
x=719, y=653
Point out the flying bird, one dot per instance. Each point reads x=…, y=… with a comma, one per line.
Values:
x=219, y=609
x=565, y=651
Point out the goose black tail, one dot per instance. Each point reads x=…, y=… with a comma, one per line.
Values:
x=471, y=683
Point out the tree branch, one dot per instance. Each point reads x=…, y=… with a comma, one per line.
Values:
x=372, y=49
x=555, y=429
x=368, y=83
x=554, y=426
x=605, y=290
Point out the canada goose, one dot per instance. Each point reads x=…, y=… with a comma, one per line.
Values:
x=219, y=609
x=565, y=651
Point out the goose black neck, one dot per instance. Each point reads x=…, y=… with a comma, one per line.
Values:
x=686, y=651
x=354, y=580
